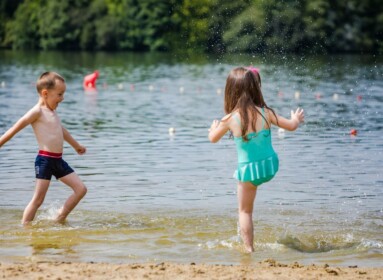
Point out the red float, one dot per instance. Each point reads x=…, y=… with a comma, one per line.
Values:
x=90, y=80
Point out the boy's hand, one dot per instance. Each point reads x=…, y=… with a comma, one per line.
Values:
x=298, y=115
x=81, y=150
x=214, y=125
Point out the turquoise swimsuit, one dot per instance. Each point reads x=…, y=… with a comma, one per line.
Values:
x=257, y=160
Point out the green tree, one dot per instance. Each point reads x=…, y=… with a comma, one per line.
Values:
x=344, y=26
x=267, y=26
x=222, y=14
x=22, y=31
x=317, y=26
x=97, y=32
x=190, y=19
x=53, y=24
x=196, y=25
x=7, y=10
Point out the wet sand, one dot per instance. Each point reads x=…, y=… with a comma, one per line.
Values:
x=268, y=269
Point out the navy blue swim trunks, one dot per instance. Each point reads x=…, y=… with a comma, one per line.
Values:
x=48, y=164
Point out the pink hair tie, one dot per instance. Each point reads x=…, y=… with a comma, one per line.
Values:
x=253, y=69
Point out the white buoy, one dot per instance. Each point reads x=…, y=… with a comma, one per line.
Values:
x=297, y=95
x=281, y=133
x=182, y=89
x=219, y=91
x=120, y=86
x=3, y=84
x=151, y=88
x=335, y=96
x=172, y=131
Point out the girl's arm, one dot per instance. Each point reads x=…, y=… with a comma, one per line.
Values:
x=68, y=138
x=297, y=117
x=218, y=129
x=25, y=120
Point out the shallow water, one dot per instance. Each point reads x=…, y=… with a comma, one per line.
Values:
x=159, y=197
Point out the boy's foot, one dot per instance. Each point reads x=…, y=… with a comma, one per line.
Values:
x=60, y=220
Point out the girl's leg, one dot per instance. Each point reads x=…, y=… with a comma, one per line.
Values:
x=246, y=196
x=79, y=189
x=37, y=199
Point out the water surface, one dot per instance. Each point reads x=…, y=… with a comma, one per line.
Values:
x=159, y=197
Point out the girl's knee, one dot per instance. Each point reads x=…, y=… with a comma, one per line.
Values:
x=245, y=210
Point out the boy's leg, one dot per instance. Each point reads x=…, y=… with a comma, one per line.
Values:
x=37, y=199
x=246, y=196
x=79, y=189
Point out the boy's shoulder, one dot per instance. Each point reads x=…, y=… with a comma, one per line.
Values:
x=36, y=108
x=35, y=111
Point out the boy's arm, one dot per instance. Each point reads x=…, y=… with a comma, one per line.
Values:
x=31, y=116
x=68, y=138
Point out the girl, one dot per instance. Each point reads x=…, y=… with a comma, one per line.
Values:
x=249, y=120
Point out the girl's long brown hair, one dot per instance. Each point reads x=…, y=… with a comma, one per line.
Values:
x=243, y=93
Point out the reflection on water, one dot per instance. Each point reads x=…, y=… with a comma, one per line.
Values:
x=155, y=196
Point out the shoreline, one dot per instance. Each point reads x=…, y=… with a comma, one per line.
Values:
x=267, y=269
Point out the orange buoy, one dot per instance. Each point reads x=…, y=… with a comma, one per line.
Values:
x=353, y=132
x=90, y=80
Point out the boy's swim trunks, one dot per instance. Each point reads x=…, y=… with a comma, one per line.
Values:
x=48, y=164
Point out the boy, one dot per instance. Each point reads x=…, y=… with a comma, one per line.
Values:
x=50, y=136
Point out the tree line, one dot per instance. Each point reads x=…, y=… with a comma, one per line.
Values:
x=217, y=26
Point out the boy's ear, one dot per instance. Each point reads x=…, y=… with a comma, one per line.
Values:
x=44, y=93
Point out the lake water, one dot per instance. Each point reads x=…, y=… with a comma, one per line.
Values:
x=156, y=197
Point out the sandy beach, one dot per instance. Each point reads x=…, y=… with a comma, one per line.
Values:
x=268, y=269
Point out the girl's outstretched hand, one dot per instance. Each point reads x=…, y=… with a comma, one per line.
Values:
x=214, y=125
x=298, y=115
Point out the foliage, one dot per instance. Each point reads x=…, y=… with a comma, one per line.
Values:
x=222, y=13
x=191, y=23
x=7, y=10
x=22, y=32
x=345, y=25
x=198, y=25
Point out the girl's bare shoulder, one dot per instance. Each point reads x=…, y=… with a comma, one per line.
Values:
x=271, y=115
x=229, y=118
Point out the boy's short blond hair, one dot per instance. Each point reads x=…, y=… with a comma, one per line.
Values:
x=47, y=80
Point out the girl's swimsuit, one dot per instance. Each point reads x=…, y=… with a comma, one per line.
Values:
x=257, y=161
